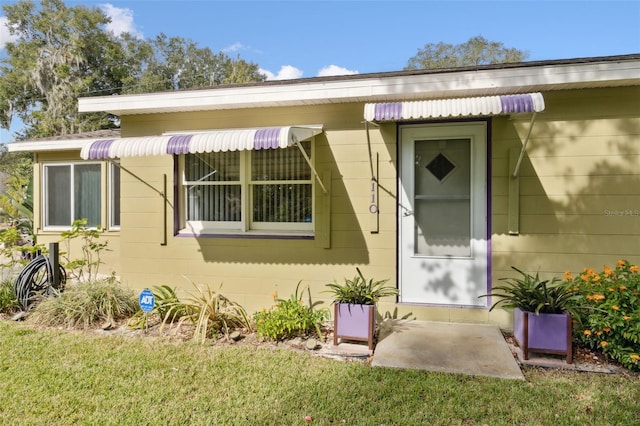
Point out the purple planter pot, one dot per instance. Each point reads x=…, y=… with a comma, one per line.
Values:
x=354, y=322
x=546, y=333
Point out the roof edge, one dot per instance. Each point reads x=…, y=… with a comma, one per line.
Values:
x=621, y=70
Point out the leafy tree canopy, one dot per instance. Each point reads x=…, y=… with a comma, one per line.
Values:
x=476, y=51
x=62, y=53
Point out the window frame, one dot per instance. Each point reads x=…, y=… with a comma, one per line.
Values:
x=246, y=226
x=105, y=188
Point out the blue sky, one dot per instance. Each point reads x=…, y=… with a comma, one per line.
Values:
x=291, y=39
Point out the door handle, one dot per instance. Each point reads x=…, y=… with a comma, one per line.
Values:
x=407, y=213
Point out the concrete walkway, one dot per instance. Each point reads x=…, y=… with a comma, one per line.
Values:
x=472, y=349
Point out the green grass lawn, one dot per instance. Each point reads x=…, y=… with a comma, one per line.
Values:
x=59, y=377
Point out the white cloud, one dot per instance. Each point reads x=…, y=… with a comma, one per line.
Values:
x=287, y=72
x=235, y=47
x=5, y=36
x=121, y=20
x=335, y=70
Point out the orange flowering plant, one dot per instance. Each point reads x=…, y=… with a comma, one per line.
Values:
x=612, y=321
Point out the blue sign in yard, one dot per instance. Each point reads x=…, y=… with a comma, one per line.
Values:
x=146, y=300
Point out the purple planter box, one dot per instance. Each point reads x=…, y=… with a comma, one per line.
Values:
x=546, y=333
x=354, y=322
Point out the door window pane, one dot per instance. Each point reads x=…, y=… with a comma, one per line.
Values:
x=442, y=200
x=443, y=228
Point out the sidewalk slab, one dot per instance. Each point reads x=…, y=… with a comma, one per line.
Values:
x=460, y=348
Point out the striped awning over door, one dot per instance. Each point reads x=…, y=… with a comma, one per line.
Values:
x=454, y=107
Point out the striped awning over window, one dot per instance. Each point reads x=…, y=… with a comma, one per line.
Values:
x=454, y=107
x=198, y=142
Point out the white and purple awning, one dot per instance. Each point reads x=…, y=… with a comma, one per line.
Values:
x=455, y=107
x=199, y=142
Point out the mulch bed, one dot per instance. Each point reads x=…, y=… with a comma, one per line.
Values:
x=584, y=359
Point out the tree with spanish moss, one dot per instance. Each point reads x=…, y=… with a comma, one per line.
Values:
x=475, y=51
x=64, y=52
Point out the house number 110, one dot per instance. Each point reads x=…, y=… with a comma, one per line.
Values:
x=373, y=206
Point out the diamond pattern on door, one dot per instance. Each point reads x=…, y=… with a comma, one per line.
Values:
x=440, y=166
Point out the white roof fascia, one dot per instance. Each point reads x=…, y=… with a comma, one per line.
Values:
x=49, y=145
x=375, y=88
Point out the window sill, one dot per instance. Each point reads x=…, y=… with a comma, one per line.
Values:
x=255, y=234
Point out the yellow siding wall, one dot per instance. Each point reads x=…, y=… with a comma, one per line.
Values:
x=251, y=270
x=579, y=184
x=582, y=163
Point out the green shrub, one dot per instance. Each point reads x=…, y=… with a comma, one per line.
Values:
x=290, y=318
x=86, y=304
x=611, y=320
x=8, y=300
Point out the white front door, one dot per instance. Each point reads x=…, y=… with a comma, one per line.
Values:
x=443, y=214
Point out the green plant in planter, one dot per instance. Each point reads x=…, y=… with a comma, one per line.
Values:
x=360, y=291
x=354, y=303
x=531, y=294
x=542, y=312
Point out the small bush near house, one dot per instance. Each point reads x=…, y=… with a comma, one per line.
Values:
x=8, y=301
x=611, y=319
x=289, y=318
x=86, y=304
x=86, y=267
x=211, y=313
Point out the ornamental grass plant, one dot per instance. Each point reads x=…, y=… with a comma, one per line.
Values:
x=611, y=320
x=86, y=304
x=8, y=300
x=212, y=313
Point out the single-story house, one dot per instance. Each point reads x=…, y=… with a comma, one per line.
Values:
x=438, y=180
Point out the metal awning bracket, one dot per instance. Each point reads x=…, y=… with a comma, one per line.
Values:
x=313, y=169
x=118, y=165
x=516, y=169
